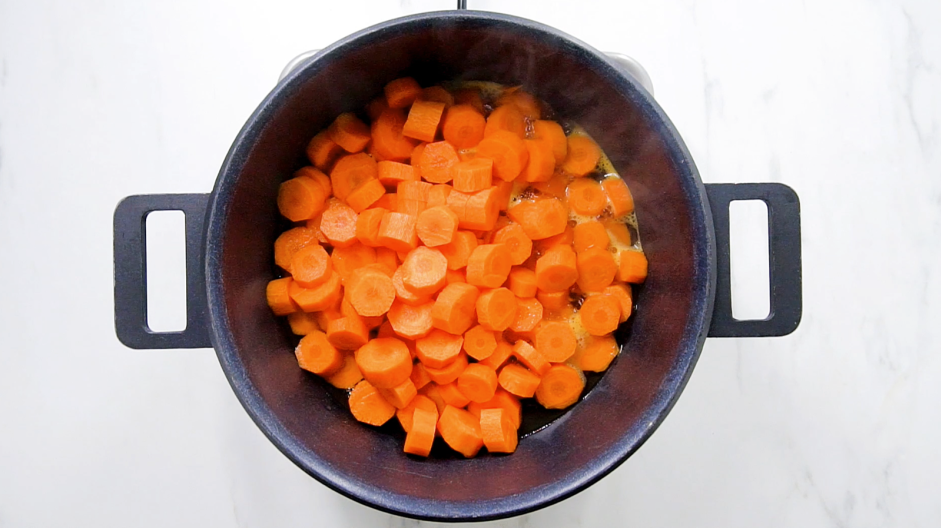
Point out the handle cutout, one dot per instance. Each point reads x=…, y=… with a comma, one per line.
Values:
x=748, y=241
x=165, y=238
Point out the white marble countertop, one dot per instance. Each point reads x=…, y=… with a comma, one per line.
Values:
x=835, y=425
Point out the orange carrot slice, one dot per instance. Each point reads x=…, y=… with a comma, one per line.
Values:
x=501, y=354
x=350, y=172
x=368, y=406
x=508, y=152
x=316, y=354
x=513, y=236
x=411, y=322
x=318, y=298
x=488, y=266
x=560, y=387
x=553, y=301
x=586, y=197
x=497, y=431
x=367, y=226
x=479, y=342
x=455, y=308
x=392, y=173
x=397, y=232
x=400, y=395
x=633, y=267
x=438, y=348
x=590, y=234
x=421, y=436
x=552, y=133
x=438, y=195
x=582, y=157
x=388, y=142
x=406, y=414
x=278, y=294
x=452, y=395
x=449, y=372
x=302, y=323
x=541, y=164
x=384, y=362
x=556, y=269
x=311, y=266
x=478, y=382
x=463, y=126
x=338, y=223
x=459, y=250
x=348, y=375
x=501, y=400
x=370, y=292
x=404, y=294
x=347, y=260
x=290, y=242
x=496, y=309
x=506, y=118
x=596, y=355
x=596, y=269
x=300, y=199
x=473, y=175
x=555, y=341
x=436, y=226
x=622, y=201
x=528, y=315
x=460, y=430
x=424, y=271
x=622, y=293
x=437, y=161
x=518, y=381
x=347, y=333
x=349, y=132
x=541, y=218
x=522, y=282
x=600, y=314
x=322, y=151
x=423, y=120
x=530, y=357
x=402, y=92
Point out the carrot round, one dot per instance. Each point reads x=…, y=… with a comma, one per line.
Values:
x=508, y=152
x=411, y=322
x=300, y=199
x=350, y=172
x=496, y=309
x=392, y=173
x=423, y=120
x=565, y=238
x=385, y=362
x=302, y=323
x=348, y=375
x=622, y=293
x=633, y=267
x=431, y=392
x=424, y=271
x=438, y=348
x=479, y=342
x=319, y=297
x=596, y=355
x=367, y=226
x=530, y=357
x=596, y=269
x=518, y=381
x=582, y=157
x=553, y=301
x=622, y=201
x=497, y=431
x=452, y=395
x=370, y=292
x=600, y=314
x=513, y=236
x=522, y=282
x=437, y=94
x=459, y=249
x=455, y=276
x=349, y=132
x=400, y=395
x=460, y=430
x=406, y=414
x=473, y=175
x=590, y=234
x=397, y=232
x=366, y=195
x=478, y=382
x=500, y=355
x=316, y=354
x=556, y=269
x=388, y=142
x=375, y=107
x=412, y=197
x=471, y=97
x=368, y=406
x=436, y=226
x=541, y=164
x=488, y=265
x=554, y=187
x=420, y=376
x=437, y=161
x=421, y=436
x=560, y=387
x=347, y=333
x=555, y=341
x=338, y=223
x=501, y=400
x=278, y=294
x=455, y=308
x=449, y=372
x=290, y=242
x=541, y=218
x=481, y=210
x=346, y=260
x=311, y=266
x=402, y=92
x=506, y=118
x=618, y=232
x=463, y=126
x=438, y=195
x=528, y=315
x=586, y=197
x=552, y=133
x=322, y=151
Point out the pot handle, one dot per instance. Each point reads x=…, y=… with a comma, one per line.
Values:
x=130, y=272
x=784, y=259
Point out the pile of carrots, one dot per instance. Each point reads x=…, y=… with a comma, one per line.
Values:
x=456, y=255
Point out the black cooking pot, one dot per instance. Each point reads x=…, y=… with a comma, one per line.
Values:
x=684, y=228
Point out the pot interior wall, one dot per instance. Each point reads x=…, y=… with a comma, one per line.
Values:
x=297, y=410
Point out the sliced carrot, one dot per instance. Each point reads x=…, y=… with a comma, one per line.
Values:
x=438, y=195
x=541, y=164
x=412, y=196
x=506, y=118
x=513, y=236
x=371, y=322
x=338, y=223
x=406, y=414
x=278, y=294
x=541, y=218
x=318, y=298
x=457, y=202
x=437, y=161
x=586, y=197
x=596, y=269
x=479, y=342
x=347, y=333
x=555, y=187
x=481, y=210
x=318, y=176
x=618, y=232
x=388, y=142
x=415, y=156
x=316, y=354
x=438, y=348
x=392, y=173
x=367, y=226
x=522, y=282
x=368, y=406
x=402, y=92
x=455, y=308
x=500, y=355
x=463, y=126
x=449, y=372
x=411, y=322
x=556, y=269
x=553, y=301
x=366, y=195
x=582, y=156
x=421, y=437
x=596, y=355
x=555, y=340
x=633, y=267
x=504, y=190
x=375, y=107
x=311, y=266
x=436, y=226
x=424, y=271
x=518, y=381
x=452, y=395
x=397, y=232
x=388, y=201
x=322, y=151
x=530, y=357
x=560, y=387
x=400, y=395
x=437, y=94
x=328, y=314
x=590, y=234
x=565, y=238
x=622, y=201
x=622, y=293
x=387, y=258
x=459, y=250
x=473, y=175
x=385, y=362
x=508, y=152
x=497, y=431
x=404, y=294
x=431, y=392
x=552, y=133
x=300, y=199
x=600, y=314
x=302, y=323
x=455, y=276
x=290, y=242
x=370, y=292
x=348, y=375
x=488, y=265
x=471, y=97
x=350, y=172
x=460, y=430
x=346, y=260
x=478, y=382
x=496, y=309
x=423, y=120
x=501, y=400
x=528, y=315
x=349, y=132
